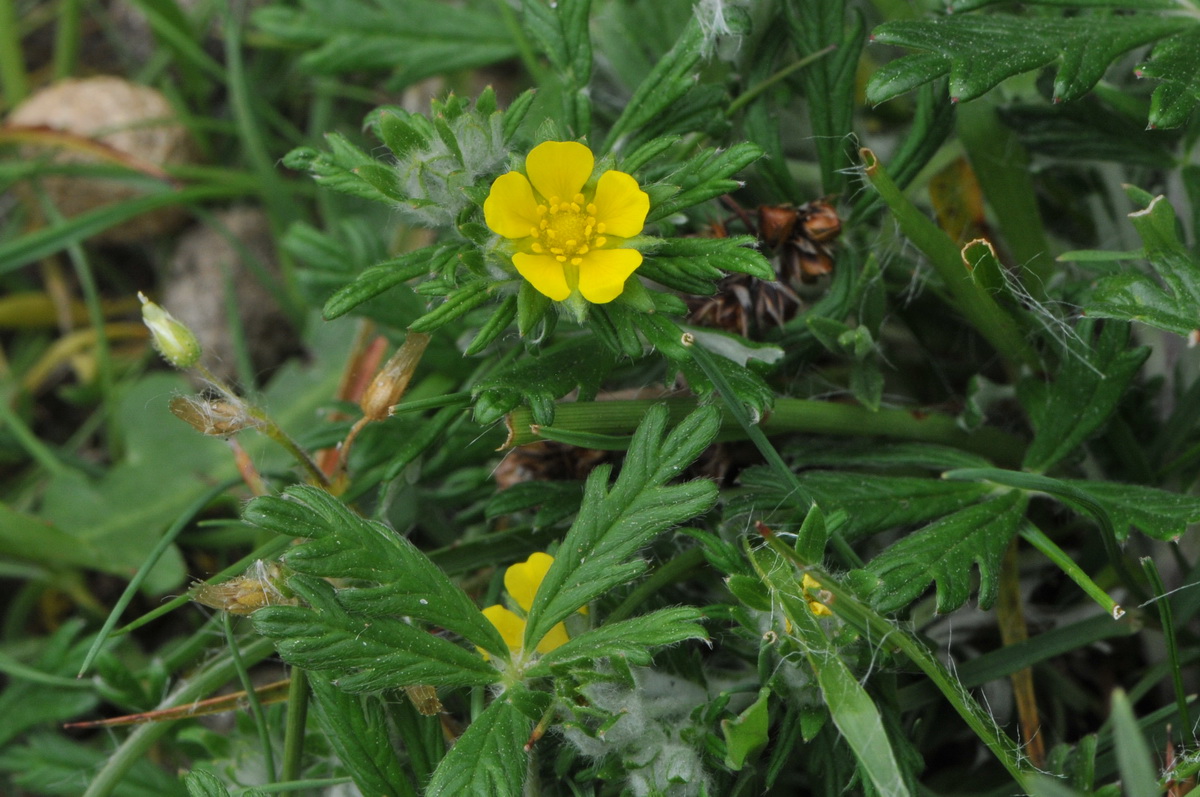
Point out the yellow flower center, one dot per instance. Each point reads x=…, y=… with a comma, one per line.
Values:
x=567, y=229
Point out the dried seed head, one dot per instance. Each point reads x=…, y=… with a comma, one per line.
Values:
x=246, y=593
x=388, y=386
x=213, y=417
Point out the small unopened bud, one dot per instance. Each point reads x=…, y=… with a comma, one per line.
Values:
x=246, y=593
x=388, y=386
x=215, y=417
x=174, y=341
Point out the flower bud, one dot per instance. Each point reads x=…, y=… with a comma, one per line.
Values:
x=174, y=341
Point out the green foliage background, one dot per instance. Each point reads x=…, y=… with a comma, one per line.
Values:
x=930, y=534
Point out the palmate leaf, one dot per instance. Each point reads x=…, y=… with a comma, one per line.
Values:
x=614, y=523
x=396, y=578
x=1173, y=304
x=945, y=552
x=418, y=38
x=979, y=51
x=365, y=653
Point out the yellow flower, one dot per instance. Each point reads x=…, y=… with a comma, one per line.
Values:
x=569, y=231
x=522, y=581
x=818, y=608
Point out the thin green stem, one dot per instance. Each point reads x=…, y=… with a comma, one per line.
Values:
x=67, y=38
x=789, y=415
x=37, y=450
x=268, y=551
x=730, y=398
x=159, y=549
x=746, y=97
x=138, y=743
x=1169, y=637
x=13, y=79
x=297, y=716
x=674, y=570
x=1038, y=539
x=297, y=785
x=256, y=709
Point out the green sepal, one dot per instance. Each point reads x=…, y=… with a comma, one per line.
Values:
x=532, y=305
x=516, y=112
x=746, y=735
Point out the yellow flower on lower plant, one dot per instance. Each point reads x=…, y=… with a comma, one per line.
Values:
x=815, y=606
x=569, y=230
x=522, y=581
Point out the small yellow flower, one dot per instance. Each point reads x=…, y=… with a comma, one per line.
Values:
x=569, y=231
x=522, y=581
x=818, y=608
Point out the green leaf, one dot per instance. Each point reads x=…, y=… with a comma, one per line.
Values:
x=395, y=577
x=1134, y=759
x=709, y=259
x=979, y=51
x=460, y=302
x=494, y=327
x=631, y=639
x=339, y=168
x=705, y=175
x=201, y=783
x=489, y=758
x=746, y=734
x=365, y=652
x=1176, y=62
x=1156, y=513
x=944, y=552
x=386, y=275
x=672, y=77
x=357, y=729
x=872, y=502
x=1084, y=394
x=418, y=38
x=29, y=700
x=50, y=764
x=537, y=381
x=1173, y=305
x=613, y=524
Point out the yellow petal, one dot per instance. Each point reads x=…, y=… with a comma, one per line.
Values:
x=544, y=273
x=511, y=627
x=523, y=579
x=603, y=273
x=819, y=609
x=621, y=206
x=556, y=637
x=559, y=168
x=510, y=209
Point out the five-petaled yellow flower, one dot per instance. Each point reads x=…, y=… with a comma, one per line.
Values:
x=568, y=229
x=522, y=581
